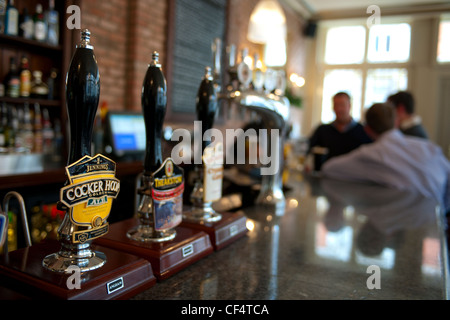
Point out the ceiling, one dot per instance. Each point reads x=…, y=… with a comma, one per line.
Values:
x=327, y=9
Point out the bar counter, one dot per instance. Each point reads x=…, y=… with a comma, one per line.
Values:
x=333, y=241
x=321, y=247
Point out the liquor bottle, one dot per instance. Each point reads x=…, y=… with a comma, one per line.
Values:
x=11, y=19
x=40, y=27
x=10, y=134
x=52, y=84
x=39, y=89
x=206, y=105
x=82, y=95
x=47, y=133
x=37, y=127
x=244, y=71
x=27, y=129
x=57, y=142
x=3, y=124
x=154, y=101
x=12, y=80
x=52, y=18
x=25, y=78
x=26, y=25
x=2, y=17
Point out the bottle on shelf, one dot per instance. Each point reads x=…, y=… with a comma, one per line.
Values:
x=52, y=18
x=25, y=78
x=11, y=19
x=26, y=25
x=15, y=128
x=52, y=84
x=57, y=142
x=40, y=27
x=3, y=124
x=19, y=130
x=37, y=127
x=12, y=80
x=39, y=89
x=2, y=16
x=47, y=133
x=10, y=135
x=27, y=129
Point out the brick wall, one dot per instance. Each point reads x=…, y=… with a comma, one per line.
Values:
x=124, y=35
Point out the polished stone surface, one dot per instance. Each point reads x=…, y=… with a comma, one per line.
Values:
x=321, y=247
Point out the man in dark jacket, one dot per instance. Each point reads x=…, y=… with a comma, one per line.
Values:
x=408, y=122
x=342, y=135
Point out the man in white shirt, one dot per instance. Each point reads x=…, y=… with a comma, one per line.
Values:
x=395, y=160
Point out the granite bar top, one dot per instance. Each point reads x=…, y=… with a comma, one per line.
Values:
x=334, y=240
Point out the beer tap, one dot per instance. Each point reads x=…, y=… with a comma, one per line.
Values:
x=91, y=185
x=158, y=176
x=208, y=182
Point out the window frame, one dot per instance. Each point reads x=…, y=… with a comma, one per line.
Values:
x=365, y=66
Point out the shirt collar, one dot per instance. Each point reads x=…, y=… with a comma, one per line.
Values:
x=351, y=124
x=410, y=122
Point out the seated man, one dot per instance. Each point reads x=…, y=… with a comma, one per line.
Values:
x=408, y=122
x=343, y=134
x=395, y=160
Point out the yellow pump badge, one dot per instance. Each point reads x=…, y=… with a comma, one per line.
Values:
x=92, y=188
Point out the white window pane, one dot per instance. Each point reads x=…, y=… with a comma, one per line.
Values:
x=381, y=83
x=275, y=53
x=347, y=80
x=345, y=45
x=443, y=54
x=389, y=43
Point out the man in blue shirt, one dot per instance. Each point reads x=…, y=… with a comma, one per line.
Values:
x=395, y=160
x=342, y=135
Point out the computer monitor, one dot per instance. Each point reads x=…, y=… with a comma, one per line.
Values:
x=125, y=134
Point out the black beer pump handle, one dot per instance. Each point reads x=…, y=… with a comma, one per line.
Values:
x=154, y=102
x=82, y=95
x=206, y=105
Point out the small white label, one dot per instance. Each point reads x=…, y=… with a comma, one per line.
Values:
x=233, y=230
x=115, y=285
x=188, y=250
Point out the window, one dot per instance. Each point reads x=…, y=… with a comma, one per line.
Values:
x=345, y=45
x=368, y=64
x=381, y=83
x=389, y=43
x=443, y=54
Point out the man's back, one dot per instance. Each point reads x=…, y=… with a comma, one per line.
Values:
x=397, y=161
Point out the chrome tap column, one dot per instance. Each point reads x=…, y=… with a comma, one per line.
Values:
x=273, y=110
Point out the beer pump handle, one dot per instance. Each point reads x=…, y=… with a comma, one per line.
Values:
x=82, y=95
x=154, y=102
x=206, y=105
